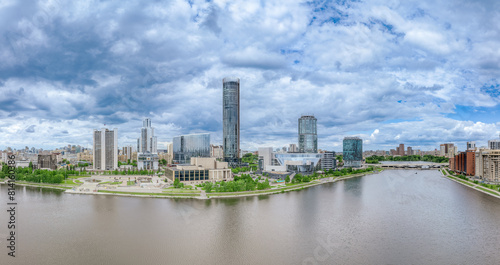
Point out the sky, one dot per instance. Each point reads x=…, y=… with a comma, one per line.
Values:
x=420, y=72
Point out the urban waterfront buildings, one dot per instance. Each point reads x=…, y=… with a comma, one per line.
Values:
x=192, y=145
x=231, y=119
x=265, y=157
x=147, y=152
x=105, y=149
x=494, y=144
x=296, y=162
x=447, y=150
x=308, y=134
x=487, y=163
x=216, y=151
x=353, y=152
x=201, y=169
x=328, y=161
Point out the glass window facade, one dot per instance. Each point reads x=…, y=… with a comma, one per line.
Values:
x=231, y=119
x=309, y=161
x=308, y=134
x=192, y=145
x=191, y=175
x=352, y=152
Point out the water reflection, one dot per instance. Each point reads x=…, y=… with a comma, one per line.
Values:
x=395, y=217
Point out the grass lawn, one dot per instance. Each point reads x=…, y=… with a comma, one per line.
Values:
x=130, y=183
x=172, y=190
x=70, y=182
x=143, y=193
x=487, y=190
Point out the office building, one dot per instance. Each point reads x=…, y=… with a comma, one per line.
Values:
x=409, y=151
x=328, y=161
x=308, y=134
x=147, y=142
x=353, y=151
x=192, y=145
x=105, y=149
x=293, y=148
x=127, y=153
x=265, y=157
x=231, y=119
x=147, y=148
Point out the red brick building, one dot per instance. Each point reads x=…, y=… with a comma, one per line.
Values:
x=464, y=163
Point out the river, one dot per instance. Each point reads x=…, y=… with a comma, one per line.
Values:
x=394, y=217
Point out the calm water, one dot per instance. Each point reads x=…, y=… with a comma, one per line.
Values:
x=395, y=217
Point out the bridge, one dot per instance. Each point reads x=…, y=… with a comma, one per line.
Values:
x=413, y=165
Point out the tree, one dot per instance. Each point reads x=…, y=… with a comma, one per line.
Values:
x=287, y=179
x=208, y=187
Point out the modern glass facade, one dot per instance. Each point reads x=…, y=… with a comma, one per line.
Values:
x=191, y=175
x=231, y=119
x=192, y=145
x=308, y=134
x=352, y=152
x=303, y=162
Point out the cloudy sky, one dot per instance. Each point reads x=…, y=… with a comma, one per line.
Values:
x=414, y=72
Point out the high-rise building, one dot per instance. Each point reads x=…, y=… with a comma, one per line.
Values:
x=471, y=145
x=328, y=161
x=488, y=165
x=105, y=149
x=293, y=148
x=147, y=148
x=409, y=151
x=191, y=145
x=308, y=134
x=494, y=144
x=401, y=149
x=231, y=119
x=147, y=142
x=353, y=152
x=127, y=152
x=447, y=150
x=216, y=151
x=265, y=157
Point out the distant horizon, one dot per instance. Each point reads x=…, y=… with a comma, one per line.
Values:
x=413, y=72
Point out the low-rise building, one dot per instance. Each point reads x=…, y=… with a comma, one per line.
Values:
x=47, y=162
x=201, y=169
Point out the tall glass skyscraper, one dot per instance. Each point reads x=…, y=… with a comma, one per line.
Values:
x=191, y=145
x=308, y=134
x=352, y=152
x=231, y=119
x=147, y=152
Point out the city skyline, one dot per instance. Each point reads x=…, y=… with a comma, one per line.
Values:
x=413, y=72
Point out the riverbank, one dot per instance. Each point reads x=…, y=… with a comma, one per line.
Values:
x=200, y=195
x=470, y=184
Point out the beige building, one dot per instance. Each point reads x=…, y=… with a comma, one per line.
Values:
x=85, y=156
x=216, y=151
x=202, y=169
x=167, y=156
x=488, y=165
